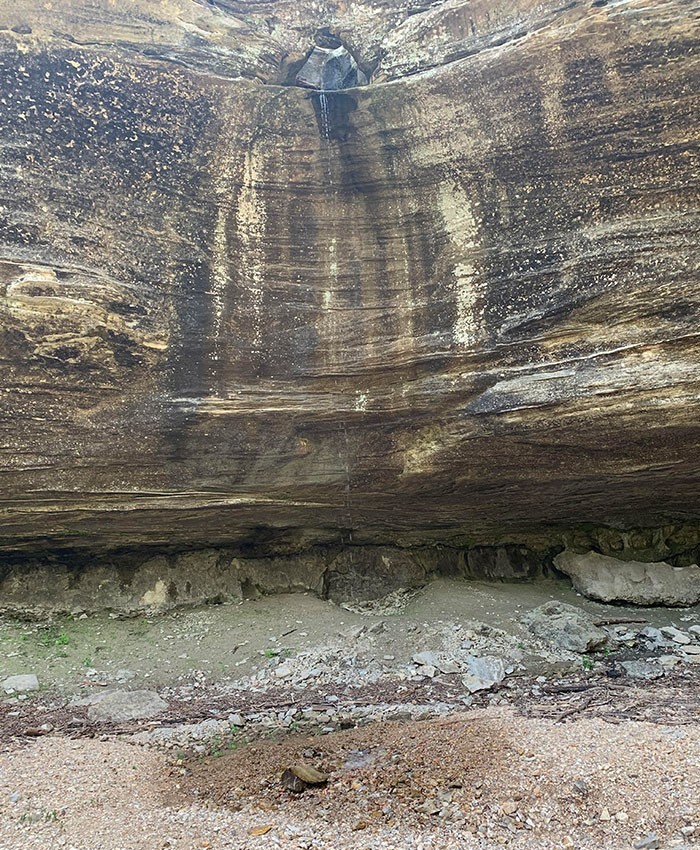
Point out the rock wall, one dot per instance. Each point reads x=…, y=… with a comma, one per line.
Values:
x=456, y=305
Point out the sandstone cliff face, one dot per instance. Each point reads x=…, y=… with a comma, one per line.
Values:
x=458, y=303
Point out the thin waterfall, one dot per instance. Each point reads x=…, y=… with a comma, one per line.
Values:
x=325, y=115
x=332, y=188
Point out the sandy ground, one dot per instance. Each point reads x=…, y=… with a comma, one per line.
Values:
x=488, y=778
x=227, y=642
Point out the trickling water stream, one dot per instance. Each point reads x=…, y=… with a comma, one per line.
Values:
x=326, y=133
x=325, y=115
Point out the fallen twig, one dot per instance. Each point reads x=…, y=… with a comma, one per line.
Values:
x=575, y=709
x=615, y=621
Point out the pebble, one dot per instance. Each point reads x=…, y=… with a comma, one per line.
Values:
x=651, y=842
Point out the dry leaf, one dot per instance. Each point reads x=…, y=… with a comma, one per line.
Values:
x=261, y=830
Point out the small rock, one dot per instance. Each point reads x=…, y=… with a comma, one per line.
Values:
x=581, y=787
x=694, y=630
x=283, y=671
x=483, y=673
x=622, y=817
x=676, y=635
x=123, y=676
x=121, y=706
x=447, y=666
x=425, y=659
x=428, y=670
x=292, y=782
x=510, y=807
x=21, y=684
x=651, y=842
x=642, y=669
x=429, y=807
x=236, y=720
x=652, y=635
x=691, y=649
x=260, y=830
x=605, y=814
x=309, y=774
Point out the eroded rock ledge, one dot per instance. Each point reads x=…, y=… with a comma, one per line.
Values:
x=451, y=308
x=141, y=580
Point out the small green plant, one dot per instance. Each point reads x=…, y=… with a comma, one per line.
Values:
x=587, y=663
x=216, y=744
x=53, y=637
x=87, y=661
x=48, y=816
x=271, y=653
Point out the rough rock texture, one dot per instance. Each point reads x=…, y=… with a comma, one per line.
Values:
x=566, y=627
x=610, y=580
x=458, y=303
x=121, y=706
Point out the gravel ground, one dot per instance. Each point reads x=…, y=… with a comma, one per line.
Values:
x=487, y=778
x=563, y=749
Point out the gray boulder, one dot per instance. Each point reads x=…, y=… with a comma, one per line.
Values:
x=121, y=706
x=565, y=627
x=610, y=580
x=330, y=70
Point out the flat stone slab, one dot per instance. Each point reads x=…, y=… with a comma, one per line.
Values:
x=21, y=684
x=120, y=706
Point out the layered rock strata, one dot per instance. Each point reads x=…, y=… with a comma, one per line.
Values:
x=456, y=305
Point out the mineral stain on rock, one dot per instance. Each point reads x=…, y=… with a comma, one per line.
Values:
x=469, y=288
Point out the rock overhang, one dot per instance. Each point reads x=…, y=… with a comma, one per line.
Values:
x=467, y=312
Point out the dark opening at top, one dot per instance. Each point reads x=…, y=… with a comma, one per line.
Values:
x=330, y=69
